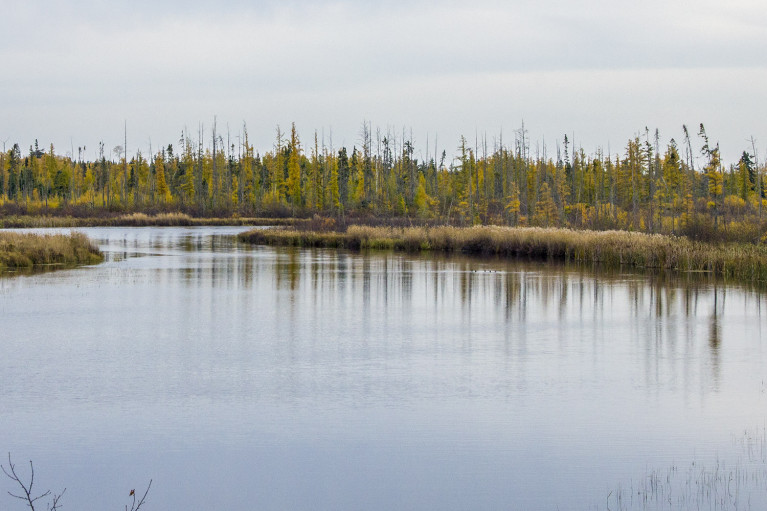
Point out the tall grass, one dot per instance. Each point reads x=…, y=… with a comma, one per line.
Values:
x=711, y=485
x=607, y=248
x=131, y=220
x=25, y=250
x=182, y=219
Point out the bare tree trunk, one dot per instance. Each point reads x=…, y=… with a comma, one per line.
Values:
x=758, y=178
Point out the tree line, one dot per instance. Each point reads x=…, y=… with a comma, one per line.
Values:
x=647, y=187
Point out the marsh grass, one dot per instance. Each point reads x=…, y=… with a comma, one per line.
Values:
x=712, y=485
x=26, y=250
x=182, y=219
x=131, y=220
x=609, y=249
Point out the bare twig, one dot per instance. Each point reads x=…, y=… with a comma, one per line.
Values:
x=55, y=503
x=137, y=504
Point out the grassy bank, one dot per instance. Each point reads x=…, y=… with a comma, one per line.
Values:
x=23, y=250
x=131, y=220
x=610, y=249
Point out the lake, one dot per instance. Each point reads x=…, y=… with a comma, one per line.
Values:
x=240, y=377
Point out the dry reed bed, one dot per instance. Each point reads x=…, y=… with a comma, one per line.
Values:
x=25, y=250
x=131, y=220
x=607, y=248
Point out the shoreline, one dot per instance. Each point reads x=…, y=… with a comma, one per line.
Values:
x=608, y=249
x=133, y=220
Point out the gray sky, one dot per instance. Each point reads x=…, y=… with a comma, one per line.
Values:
x=600, y=71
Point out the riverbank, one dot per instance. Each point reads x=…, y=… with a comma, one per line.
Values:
x=610, y=249
x=132, y=220
x=26, y=250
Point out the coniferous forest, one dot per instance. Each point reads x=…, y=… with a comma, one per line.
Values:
x=676, y=186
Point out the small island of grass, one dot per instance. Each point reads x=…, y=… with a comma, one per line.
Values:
x=29, y=250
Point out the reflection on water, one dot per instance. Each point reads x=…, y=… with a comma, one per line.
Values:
x=666, y=315
x=314, y=379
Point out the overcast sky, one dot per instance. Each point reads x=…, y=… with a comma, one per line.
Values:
x=598, y=70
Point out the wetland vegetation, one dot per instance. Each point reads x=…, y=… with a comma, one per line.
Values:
x=28, y=250
x=172, y=219
x=610, y=249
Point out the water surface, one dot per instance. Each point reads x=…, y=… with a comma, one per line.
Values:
x=241, y=377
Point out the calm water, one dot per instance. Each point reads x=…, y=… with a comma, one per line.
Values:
x=241, y=377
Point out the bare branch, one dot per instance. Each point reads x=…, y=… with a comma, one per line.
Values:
x=28, y=497
x=55, y=503
x=136, y=505
x=27, y=489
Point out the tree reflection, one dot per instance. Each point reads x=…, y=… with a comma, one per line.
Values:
x=654, y=312
x=715, y=338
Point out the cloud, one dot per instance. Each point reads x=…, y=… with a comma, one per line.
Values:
x=435, y=65
x=396, y=37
